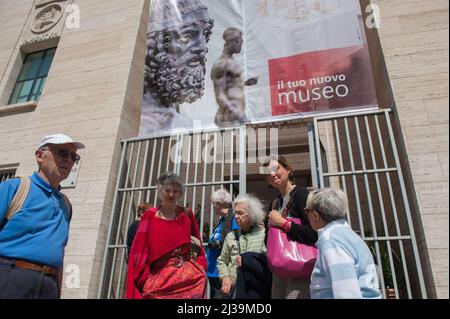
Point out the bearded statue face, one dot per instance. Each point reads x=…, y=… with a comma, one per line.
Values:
x=175, y=67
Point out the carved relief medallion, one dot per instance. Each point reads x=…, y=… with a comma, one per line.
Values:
x=46, y=18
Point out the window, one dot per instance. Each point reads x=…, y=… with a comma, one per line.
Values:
x=32, y=76
x=7, y=174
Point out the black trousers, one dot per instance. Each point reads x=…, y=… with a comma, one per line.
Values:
x=17, y=283
x=215, y=291
x=214, y=287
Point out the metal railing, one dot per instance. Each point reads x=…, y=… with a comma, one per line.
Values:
x=362, y=159
x=205, y=161
x=7, y=174
x=355, y=151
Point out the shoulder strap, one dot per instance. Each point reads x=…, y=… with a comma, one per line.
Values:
x=20, y=197
x=236, y=237
x=274, y=202
x=68, y=207
x=226, y=228
x=289, y=204
x=196, y=244
x=188, y=216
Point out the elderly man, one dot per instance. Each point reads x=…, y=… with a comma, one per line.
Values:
x=35, y=218
x=175, y=64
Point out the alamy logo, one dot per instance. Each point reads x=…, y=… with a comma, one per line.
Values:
x=73, y=17
x=373, y=20
x=72, y=276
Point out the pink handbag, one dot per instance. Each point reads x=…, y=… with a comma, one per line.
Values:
x=288, y=258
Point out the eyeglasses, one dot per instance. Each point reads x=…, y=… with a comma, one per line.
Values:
x=64, y=153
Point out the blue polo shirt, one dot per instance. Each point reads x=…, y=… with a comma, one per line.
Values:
x=39, y=231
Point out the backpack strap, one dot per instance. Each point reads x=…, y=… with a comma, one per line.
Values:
x=273, y=206
x=226, y=228
x=19, y=198
x=68, y=207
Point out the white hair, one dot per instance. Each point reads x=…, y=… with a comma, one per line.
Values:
x=330, y=203
x=254, y=207
x=222, y=197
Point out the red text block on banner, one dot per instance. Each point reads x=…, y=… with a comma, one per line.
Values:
x=321, y=81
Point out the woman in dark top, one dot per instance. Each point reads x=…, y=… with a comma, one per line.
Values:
x=279, y=174
x=142, y=208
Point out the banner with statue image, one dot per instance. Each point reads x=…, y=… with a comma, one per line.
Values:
x=221, y=63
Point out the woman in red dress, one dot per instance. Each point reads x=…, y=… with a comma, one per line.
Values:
x=160, y=264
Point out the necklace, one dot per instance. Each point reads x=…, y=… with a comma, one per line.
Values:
x=166, y=216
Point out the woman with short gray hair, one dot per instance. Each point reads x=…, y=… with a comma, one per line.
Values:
x=161, y=265
x=222, y=198
x=222, y=203
x=241, y=252
x=169, y=180
x=332, y=203
x=344, y=266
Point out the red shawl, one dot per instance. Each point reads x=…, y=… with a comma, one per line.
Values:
x=155, y=238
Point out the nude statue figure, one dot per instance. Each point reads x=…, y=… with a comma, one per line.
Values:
x=226, y=75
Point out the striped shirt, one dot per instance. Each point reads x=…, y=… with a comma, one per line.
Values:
x=345, y=268
x=252, y=241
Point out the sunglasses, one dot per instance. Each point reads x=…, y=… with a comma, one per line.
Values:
x=63, y=153
x=269, y=170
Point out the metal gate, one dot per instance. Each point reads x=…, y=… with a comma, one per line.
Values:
x=205, y=161
x=358, y=154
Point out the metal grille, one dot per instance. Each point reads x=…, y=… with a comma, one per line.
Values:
x=205, y=161
x=7, y=174
x=362, y=159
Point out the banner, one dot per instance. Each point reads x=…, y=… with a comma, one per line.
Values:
x=221, y=63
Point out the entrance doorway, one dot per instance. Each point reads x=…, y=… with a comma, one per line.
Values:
x=294, y=145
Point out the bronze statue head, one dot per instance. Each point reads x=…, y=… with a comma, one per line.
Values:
x=233, y=40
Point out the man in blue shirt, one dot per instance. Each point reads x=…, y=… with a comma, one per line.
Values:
x=222, y=203
x=32, y=241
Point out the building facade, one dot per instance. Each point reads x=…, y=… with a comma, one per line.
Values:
x=93, y=90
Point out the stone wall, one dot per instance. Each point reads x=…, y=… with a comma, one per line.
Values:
x=92, y=94
x=414, y=40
